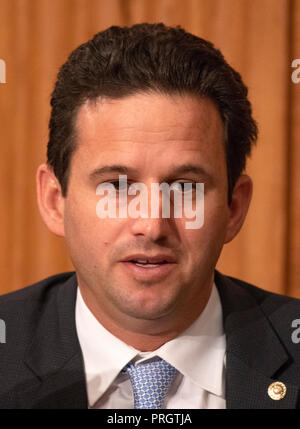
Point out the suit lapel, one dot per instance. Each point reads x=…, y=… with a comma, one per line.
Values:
x=254, y=353
x=54, y=363
x=64, y=389
x=248, y=389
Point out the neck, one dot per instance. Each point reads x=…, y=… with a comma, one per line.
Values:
x=144, y=334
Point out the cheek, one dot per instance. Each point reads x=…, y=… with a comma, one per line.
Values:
x=216, y=211
x=87, y=236
x=210, y=238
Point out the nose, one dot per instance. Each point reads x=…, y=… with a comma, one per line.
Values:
x=154, y=229
x=153, y=226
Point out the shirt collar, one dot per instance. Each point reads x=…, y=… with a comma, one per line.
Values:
x=198, y=353
x=104, y=354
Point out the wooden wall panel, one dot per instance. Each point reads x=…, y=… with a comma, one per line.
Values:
x=257, y=38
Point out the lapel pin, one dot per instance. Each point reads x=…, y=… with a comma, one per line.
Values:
x=277, y=390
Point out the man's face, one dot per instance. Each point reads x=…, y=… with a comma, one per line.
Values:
x=152, y=136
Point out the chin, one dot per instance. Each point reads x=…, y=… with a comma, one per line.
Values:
x=147, y=308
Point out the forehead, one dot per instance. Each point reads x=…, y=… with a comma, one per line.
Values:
x=148, y=112
x=148, y=126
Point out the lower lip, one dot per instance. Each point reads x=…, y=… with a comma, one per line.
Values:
x=149, y=273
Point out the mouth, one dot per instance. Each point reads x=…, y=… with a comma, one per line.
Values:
x=149, y=267
x=144, y=259
x=146, y=264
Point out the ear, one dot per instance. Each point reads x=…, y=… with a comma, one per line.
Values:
x=238, y=209
x=50, y=199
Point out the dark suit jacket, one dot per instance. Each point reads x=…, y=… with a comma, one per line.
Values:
x=41, y=364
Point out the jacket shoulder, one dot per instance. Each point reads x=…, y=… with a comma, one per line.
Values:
x=36, y=291
x=22, y=309
x=37, y=328
x=260, y=295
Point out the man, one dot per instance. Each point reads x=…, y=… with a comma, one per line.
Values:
x=146, y=321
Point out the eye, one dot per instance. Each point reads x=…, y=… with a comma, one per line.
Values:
x=185, y=187
x=119, y=185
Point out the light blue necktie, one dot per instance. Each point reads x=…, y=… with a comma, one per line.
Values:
x=150, y=382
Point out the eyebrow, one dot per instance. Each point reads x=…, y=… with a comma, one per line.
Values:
x=122, y=169
x=190, y=168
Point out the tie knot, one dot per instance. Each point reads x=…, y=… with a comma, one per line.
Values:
x=150, y=382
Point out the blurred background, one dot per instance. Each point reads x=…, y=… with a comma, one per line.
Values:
x=260, y=38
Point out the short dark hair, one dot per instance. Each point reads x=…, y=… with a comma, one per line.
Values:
x=123, y=61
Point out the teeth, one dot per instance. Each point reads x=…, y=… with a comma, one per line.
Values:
x=146, y=265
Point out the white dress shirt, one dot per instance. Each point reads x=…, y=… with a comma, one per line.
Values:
x=198, y=354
